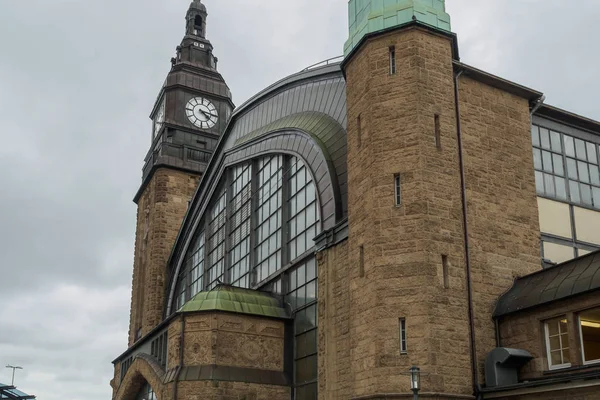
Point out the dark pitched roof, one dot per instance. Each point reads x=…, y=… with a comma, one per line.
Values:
x=571, y=278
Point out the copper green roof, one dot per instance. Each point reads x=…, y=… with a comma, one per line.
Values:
x=369, y=16
x=236, y=300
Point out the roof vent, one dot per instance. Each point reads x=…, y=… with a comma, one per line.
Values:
x=502, y=366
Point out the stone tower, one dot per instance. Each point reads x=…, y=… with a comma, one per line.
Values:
x=437, y=231
x=190, y=113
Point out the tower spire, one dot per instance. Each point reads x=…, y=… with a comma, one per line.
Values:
x=196, y=19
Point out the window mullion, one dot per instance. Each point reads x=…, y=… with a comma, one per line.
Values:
x=207, y=249
x=285, y=231
x=253, y=220
x=228, y=214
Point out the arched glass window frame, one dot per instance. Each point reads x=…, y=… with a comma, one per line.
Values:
x=184, y=293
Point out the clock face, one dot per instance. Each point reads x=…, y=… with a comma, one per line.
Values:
x=202, y=113
x=159, y=119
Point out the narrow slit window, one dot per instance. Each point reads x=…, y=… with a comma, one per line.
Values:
x=397, y=190
x=392, y=60
x=362, y=262
x=445, y=267
x=403, y=349
x=359, y=130
x=438, y=133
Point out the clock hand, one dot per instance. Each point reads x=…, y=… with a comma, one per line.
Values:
x=205, y=114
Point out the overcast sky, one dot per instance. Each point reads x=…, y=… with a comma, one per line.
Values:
x=77, y=82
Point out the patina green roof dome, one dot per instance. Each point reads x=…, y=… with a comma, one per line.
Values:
x=236, y=300
x=370, y=16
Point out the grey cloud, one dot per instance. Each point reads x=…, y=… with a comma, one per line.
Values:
x=77, y=81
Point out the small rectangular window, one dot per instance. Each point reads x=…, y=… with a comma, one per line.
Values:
x=362, y=262
x=392, y=60
x=557, y=343
x=445, y=268
x=403, y=349
x=397, y=190
x=359, y=130
x=589, y=330
x=438, y=133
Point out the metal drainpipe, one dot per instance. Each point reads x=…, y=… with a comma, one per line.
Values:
x=181, y=341
x=538, y=104
x=475, y=376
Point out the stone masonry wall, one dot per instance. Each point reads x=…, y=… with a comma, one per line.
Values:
x=503, y=220
x=334, y=316
x=403, y=246
x=161, y=209
x=203, y=390
x=403, y=275
x=234, y=340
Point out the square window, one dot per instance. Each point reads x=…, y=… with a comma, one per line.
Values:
x=569, y=146
x=557, y=343
x=555, y=141
x=545, y=138
x=547, y=161
x=589, y=330
x=592, y=153
x=539, y=182
x=580, y=149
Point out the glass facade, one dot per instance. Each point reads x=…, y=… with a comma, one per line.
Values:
x=302, y=296
x=566, y=168
x=567, y=174
x=258, y=233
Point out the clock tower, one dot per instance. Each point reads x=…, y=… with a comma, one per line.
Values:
x=190, y=113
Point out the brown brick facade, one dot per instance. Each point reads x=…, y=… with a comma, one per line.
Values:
x=403, y=246
x=161, y=209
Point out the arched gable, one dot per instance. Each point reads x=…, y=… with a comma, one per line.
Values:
x=142, y=370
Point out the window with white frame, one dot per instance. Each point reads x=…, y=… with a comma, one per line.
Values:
x=589, y=330
x=557, y=343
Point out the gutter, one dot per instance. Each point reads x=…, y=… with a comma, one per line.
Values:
x=471, y=315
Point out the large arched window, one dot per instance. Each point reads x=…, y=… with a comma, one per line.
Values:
x=262, y=219
x=146, y=393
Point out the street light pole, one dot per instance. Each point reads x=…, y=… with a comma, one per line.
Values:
x=13, y=373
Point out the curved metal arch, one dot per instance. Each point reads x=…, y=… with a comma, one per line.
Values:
x=293, y=142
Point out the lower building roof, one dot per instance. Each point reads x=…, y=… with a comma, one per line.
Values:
x=10, y=392
x=572, y=278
